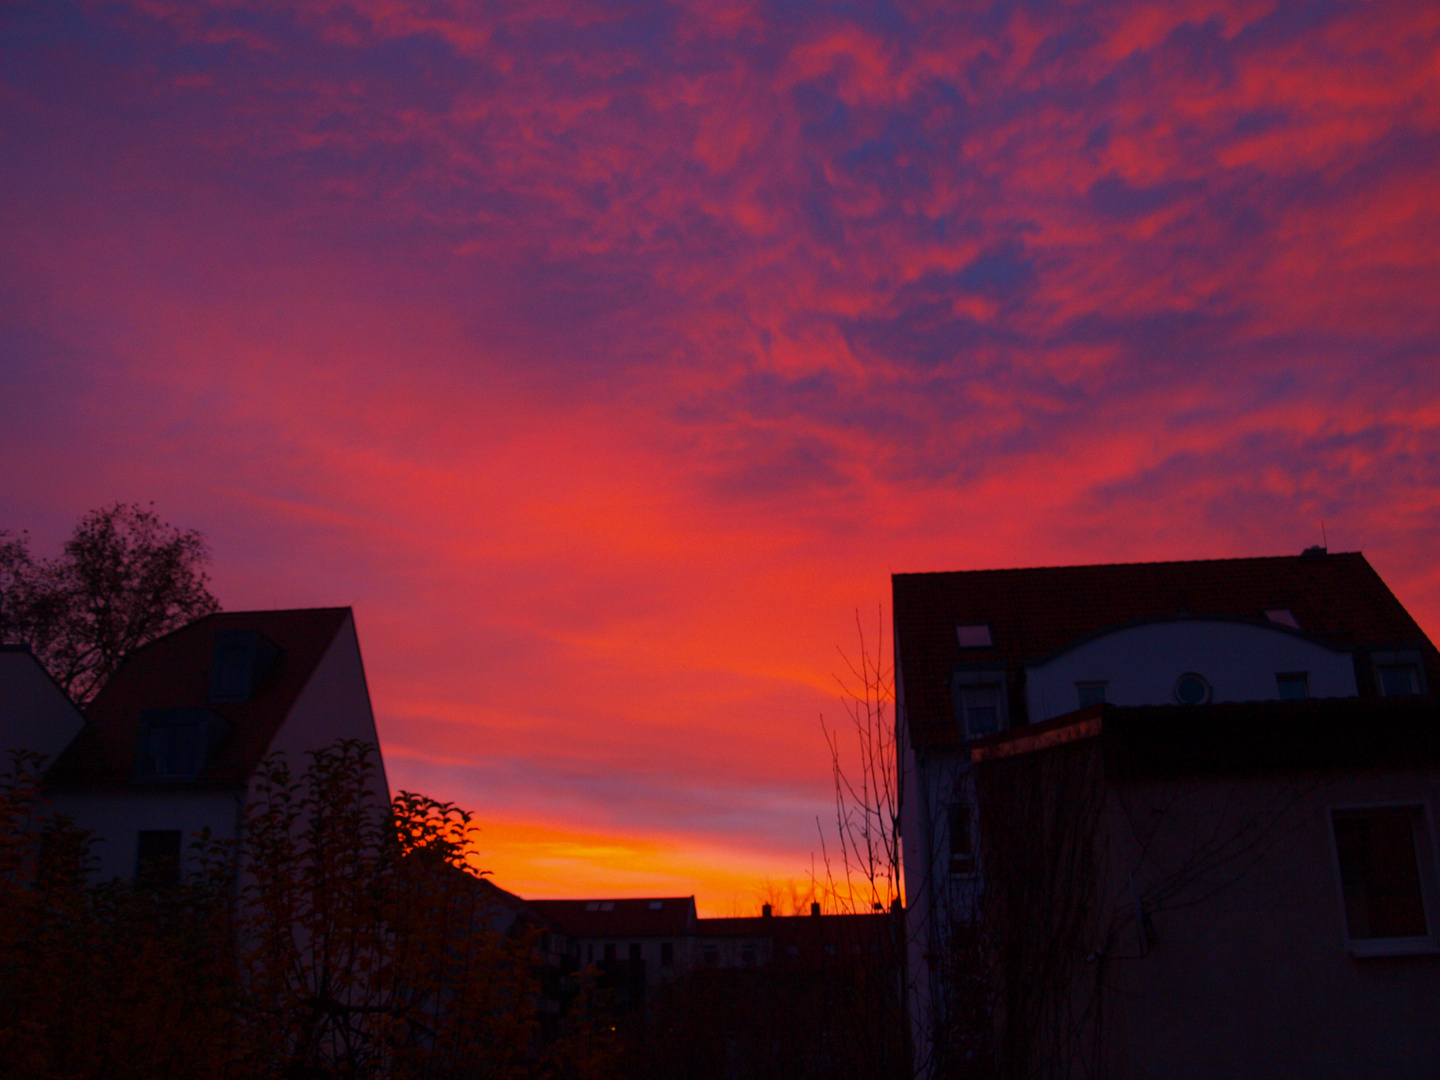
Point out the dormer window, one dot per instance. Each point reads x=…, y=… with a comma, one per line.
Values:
x=1293, y=685
x=1397, y=680
x=1283, y=616
x=979, y=700
x=174, y=743
x=1399, y=673
x=241, y=658
x=1090, y=693
x=974, y=635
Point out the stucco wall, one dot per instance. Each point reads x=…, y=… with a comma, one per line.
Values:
x=116, y=818
x=1140, y=664
x=35, y=714
x=335, y=704
x=1256, y=978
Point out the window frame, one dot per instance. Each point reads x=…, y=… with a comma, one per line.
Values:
x=1398, y=658
x=1426, y=861
x=969, y=679
x=1301, y=677
x=961, y=810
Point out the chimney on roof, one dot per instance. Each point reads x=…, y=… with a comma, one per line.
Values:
x=766, y=911
x=1315, y=552
x=815, y=908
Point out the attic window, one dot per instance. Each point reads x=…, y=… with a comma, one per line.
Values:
x=241, y=658
x=974, y=636
x=174, y=743
x=593, y=905
x=1282, y=615
x=656, y=905
x=607, y=905
x=1399, y=673
x=1293, y=685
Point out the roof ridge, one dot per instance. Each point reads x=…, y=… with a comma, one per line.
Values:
x=1101, y=566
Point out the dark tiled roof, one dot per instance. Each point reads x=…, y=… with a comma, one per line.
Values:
x=1035, y=612
x=814, y=929
x=674, y=917
x=1237, y=738
x=174, y=672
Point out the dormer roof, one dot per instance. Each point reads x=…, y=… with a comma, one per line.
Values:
x=176, y=676
x=1032, y=613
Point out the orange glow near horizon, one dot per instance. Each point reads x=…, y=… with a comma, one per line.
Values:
x=608, y=358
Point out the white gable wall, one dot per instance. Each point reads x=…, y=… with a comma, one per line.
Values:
x=116, y=818
x=1140, y=665
x=35, y=714
x=335, y=704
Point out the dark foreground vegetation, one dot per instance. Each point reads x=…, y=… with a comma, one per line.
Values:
x=340, y=941
x=345, y=939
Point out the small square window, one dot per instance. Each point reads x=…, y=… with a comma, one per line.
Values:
x=1293, y=685
x=974, y=636
x=1282, y=615
x=1380, y=873
x=1090, y=693
x=656, y=905
x=607, y=905
x=592, y=905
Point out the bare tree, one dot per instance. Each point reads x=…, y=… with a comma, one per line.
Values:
x=122, y=579
x=867, y=815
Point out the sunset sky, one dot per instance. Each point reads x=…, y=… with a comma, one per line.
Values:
x=607, y=357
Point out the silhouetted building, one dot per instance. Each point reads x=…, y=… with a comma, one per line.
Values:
x=1169, y=819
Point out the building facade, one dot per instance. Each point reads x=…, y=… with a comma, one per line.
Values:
x=171, y=745
x=988, y=655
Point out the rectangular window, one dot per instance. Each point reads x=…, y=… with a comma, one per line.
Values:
x=1090, y=693
x=1293, y=685
x=712, y=955
x=1397, y=680
x=747, y=955
x=609, y=950
x=962, y=850
x=667, y=954
x=157, y=861
x=634, y=952
x=980, y=707
x=1380, y=872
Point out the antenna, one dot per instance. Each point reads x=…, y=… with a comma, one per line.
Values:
x=1324, y=541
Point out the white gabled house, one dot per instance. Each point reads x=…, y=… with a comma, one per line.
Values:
x=171, y=744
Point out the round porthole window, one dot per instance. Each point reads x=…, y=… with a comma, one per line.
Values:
x=1192, y=689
